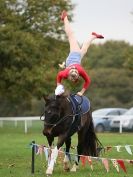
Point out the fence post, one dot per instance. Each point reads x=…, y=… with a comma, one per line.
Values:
x=25, y=126
x=33, y=158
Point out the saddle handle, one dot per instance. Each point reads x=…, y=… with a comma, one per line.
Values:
x=74, y=94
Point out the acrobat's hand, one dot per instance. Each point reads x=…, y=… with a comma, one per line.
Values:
x=59, y=90
x=62, y=66
x=80, y=94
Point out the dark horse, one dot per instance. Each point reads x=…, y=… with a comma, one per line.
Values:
x=62, y=120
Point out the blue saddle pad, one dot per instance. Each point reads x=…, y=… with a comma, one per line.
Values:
x=84, y=101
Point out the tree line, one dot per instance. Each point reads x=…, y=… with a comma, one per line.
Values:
x=33, y=43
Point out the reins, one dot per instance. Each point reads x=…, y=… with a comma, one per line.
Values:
x=61, y=119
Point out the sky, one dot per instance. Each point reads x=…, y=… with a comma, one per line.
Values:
x=112, y=18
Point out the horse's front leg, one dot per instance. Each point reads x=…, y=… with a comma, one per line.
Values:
x=50, y=141
x=54, y=155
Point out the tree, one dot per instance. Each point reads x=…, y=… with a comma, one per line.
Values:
x=29, y=43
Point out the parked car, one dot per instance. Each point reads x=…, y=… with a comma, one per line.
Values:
x=103, y=117
x=126, y=121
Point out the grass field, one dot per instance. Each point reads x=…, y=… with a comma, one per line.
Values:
x=15, y=154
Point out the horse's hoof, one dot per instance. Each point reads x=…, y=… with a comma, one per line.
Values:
x=49, y=172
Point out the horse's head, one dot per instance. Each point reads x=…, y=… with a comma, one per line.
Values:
x=52, y=109
x=55, y=108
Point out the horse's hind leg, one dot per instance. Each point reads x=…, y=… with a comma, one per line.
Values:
x=75, y=166
x=79, y=152
x=66, y=159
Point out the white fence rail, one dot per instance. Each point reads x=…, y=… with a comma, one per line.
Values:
x=28, y=121
x=15, y=119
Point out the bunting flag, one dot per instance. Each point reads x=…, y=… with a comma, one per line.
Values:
x=90, y=162
x=41, y=149
x=76, y=158
x=118, y=148
x=61, y=156
x=97, y=158
x=83, y=160
x=106, y=164
x=100, y=149
x=122, y=165
x=128, y=149
x=46, y=153
x=130, y=161
x=36, y=148
x=108, y=148
x=115, y=164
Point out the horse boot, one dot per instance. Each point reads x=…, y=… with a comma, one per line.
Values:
x=54, y=155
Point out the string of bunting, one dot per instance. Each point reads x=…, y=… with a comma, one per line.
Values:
x=42, y=149
x=119, y=148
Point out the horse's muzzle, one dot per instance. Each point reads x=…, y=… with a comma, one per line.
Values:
x=47, y=131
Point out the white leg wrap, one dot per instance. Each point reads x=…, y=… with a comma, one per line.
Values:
x=54, y=156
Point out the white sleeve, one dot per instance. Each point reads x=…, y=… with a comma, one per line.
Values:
x=59, y=90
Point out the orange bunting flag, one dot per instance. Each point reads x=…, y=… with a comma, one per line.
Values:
x=83, y=160
x=90, y=163
x=122, y=165
x=115, y=164
x=106, y=164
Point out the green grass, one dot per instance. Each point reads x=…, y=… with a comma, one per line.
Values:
x=15, y=154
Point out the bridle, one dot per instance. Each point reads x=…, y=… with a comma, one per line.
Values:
x=61, y=119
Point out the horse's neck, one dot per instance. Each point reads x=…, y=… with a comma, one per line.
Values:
x=67, y=106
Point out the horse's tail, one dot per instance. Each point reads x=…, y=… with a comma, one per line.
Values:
x=92, y=143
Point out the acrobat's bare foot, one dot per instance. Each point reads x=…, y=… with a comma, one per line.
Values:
x=63, y=15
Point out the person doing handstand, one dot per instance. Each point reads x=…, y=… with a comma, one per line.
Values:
x=73, y=69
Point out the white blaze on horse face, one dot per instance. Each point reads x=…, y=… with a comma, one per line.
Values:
x=54, y=156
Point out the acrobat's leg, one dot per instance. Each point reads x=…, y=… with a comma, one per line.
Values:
x=87, y=43
x=74, y=46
